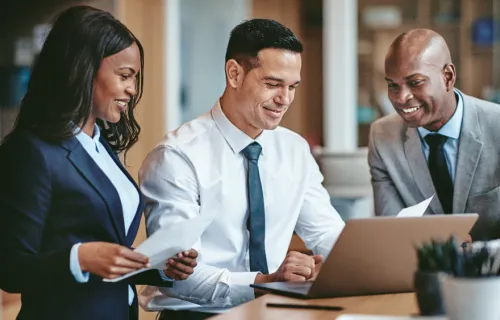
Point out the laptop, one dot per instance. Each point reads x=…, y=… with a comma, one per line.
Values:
x=375, y=256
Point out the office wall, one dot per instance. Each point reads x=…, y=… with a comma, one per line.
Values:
x=288, y=12
x=204, y=33
x=145, y=18
x=17, y=19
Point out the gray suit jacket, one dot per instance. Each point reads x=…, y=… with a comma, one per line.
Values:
x=401, y=178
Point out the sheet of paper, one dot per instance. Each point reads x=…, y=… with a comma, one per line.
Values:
x=168, y=241
x=417, y=210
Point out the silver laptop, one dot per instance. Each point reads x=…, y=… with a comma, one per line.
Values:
x=375, y=256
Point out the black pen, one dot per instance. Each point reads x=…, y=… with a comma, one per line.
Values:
x=304, y=306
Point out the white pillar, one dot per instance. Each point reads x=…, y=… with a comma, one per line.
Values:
x=340, y=74
x=172, y=64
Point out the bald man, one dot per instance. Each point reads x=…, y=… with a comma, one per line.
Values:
x=441, y=141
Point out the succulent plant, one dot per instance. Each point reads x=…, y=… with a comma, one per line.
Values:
x=473, y=261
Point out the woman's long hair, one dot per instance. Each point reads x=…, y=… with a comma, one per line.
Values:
x=59, y=95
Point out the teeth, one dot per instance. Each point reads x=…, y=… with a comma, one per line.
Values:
x=275, y=111
x=410, y=110
x=121, y=103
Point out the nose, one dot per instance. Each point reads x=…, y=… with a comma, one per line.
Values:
x=131, y=89
x=402, y=95
x=285, y=97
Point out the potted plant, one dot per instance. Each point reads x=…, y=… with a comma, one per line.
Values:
x=433, y=258
x=472, y=290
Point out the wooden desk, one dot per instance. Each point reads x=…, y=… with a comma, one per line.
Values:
x=390, y=304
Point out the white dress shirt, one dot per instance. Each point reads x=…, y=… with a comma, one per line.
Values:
x=199, y=168
x=129, y=196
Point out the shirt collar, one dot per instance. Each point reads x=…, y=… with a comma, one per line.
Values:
x=451, y=129
x=237, y=139
x=85, y=139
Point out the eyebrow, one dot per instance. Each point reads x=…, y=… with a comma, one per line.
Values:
x=406, y=78
x=129, y=68
x=270, y=78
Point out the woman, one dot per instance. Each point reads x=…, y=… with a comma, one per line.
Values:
x=69, y=211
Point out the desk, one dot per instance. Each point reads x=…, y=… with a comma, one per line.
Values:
x=389, y=304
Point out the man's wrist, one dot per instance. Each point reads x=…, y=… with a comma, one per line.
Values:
x=164, y=277
x=263, y=278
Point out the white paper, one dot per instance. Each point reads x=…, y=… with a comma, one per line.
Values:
x=417, y=210
x=168, y=241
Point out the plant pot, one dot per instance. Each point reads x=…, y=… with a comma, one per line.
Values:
x=428, y=292
x=471, y=298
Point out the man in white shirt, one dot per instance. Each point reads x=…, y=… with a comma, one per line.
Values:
x=259, y=181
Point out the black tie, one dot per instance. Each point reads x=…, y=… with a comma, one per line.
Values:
x=256, y=223
x=439, y=171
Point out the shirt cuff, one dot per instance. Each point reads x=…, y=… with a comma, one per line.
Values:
x=74, y=265
x=240, y=287
x=164, y=276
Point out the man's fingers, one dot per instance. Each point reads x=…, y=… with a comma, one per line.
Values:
x=300, y=260
x=318, y=258
x=299, y=270
x=176, y=274
x=181, y=267
x=187, y=261
x=192, y=253
x=295, y=278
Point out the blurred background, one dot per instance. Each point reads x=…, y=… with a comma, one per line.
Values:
x=342, y=91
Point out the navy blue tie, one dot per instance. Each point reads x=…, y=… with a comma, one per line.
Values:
x=439, y=171
x=256, y=223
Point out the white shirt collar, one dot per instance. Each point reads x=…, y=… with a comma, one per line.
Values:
x=237, y=139
x=85, y=140
x=452, y=128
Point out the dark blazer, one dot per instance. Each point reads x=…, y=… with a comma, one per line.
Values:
x=51, y=197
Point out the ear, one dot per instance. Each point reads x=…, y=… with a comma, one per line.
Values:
x=450, y=76
x=234, y=73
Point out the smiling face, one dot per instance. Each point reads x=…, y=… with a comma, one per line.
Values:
x=115, y=84
x=265, y=92
x=420, y=85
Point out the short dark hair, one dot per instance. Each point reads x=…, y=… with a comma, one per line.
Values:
x=59, y=95
x=251, y=36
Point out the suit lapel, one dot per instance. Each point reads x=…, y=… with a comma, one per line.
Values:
x=419, y=169
x=84, y=163
x=134, y=226
x=469, y=149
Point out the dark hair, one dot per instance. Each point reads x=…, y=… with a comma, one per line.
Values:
x=251, y=36
x=59, y=95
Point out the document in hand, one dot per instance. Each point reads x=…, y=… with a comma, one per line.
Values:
x=417, y=210
x=168, y=241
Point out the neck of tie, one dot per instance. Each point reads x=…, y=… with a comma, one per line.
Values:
x=256, y=216
x=439, y=171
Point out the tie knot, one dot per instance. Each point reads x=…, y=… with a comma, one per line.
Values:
x=435, y=140
x=252, y=151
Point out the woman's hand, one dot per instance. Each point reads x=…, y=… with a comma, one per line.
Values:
x=109, y=260
x=182, y=266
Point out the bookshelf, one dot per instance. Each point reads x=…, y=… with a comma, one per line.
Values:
x=477, y=61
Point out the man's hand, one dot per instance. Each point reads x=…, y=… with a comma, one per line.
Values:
x=109, y=260
x=316, y=271
x=296, y=267
x=182, y=266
